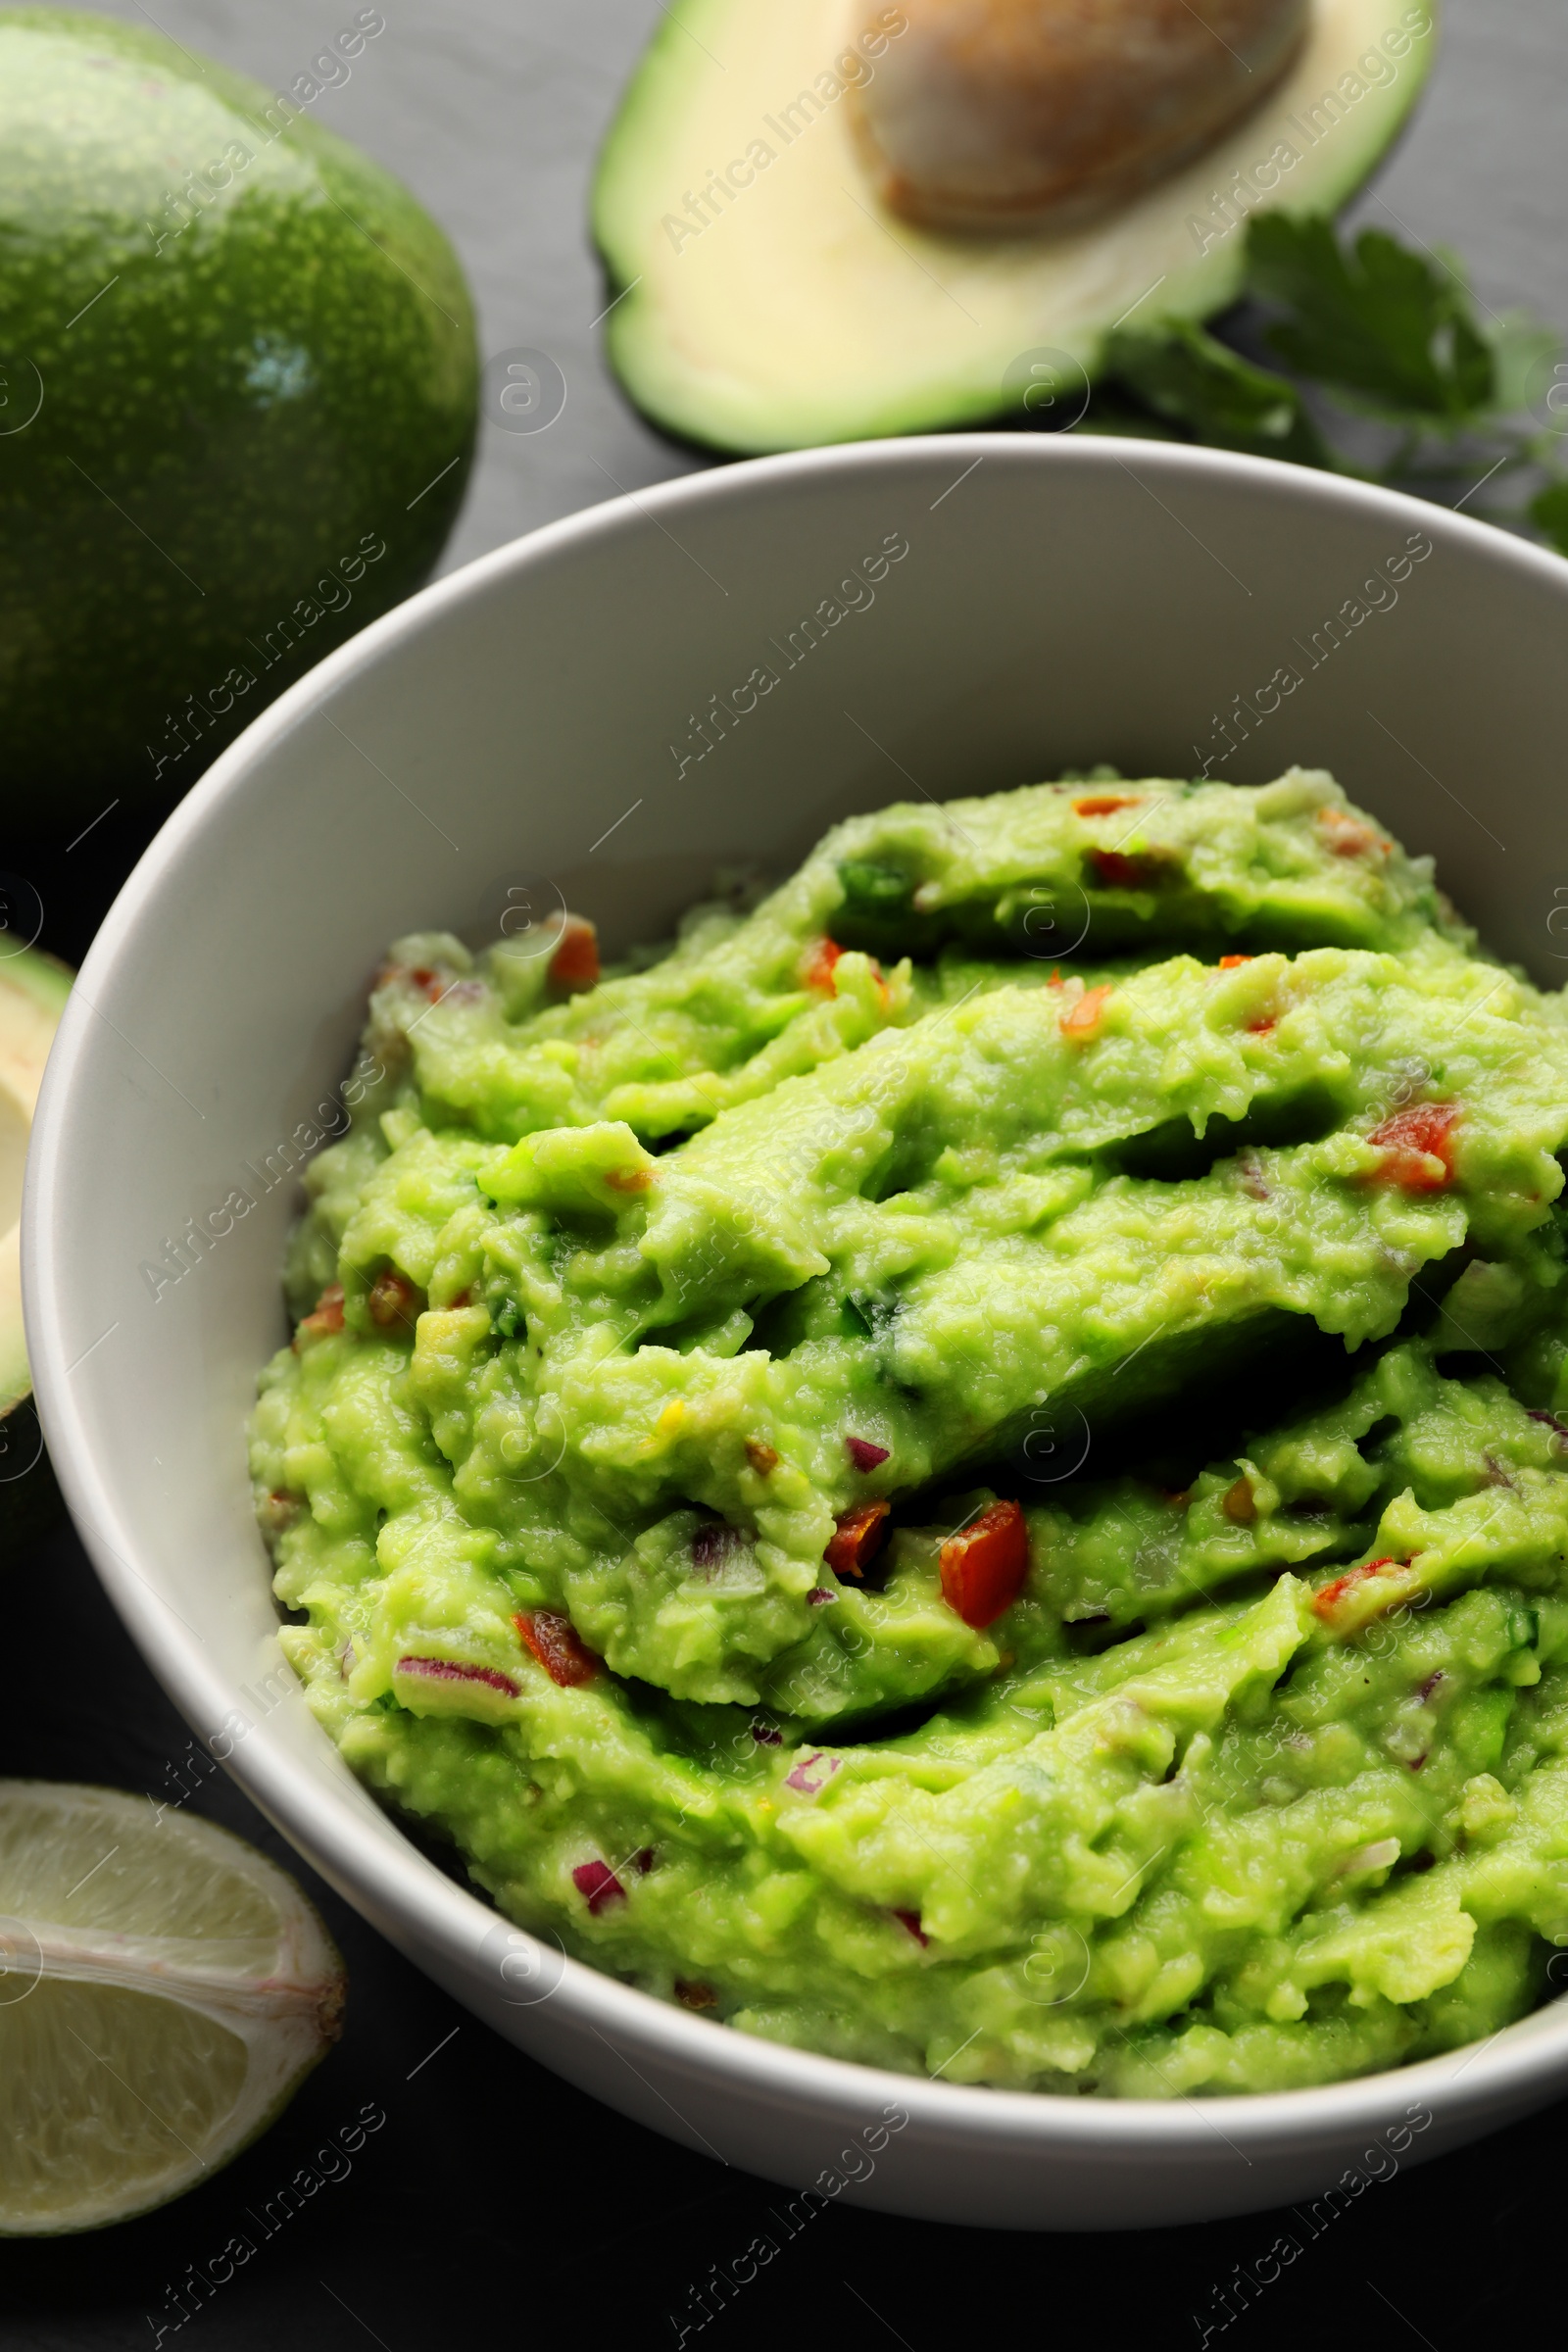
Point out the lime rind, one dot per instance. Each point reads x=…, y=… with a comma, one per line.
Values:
x=164, y=1992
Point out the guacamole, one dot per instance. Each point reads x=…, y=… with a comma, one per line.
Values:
x=967, y=1466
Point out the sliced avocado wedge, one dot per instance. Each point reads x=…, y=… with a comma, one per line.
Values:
x=767, y=299
x=32, y=994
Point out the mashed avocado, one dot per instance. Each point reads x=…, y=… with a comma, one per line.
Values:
x=964, y=1469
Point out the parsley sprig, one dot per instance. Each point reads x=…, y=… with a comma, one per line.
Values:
x=1374, y=335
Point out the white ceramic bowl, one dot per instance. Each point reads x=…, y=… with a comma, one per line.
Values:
x=1062, y=600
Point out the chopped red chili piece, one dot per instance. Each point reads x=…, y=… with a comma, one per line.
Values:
x=1412, y=1140
x=864, y=1454
x=857, y=1539
x=1260, y=1028
x=912, y=1921
x=1231, y=964
x=1106, y=803
x=430, y=983
x=448, y=1670
x=598, y=1882
x=393, y=1299
x=1082, y=1019
x=983, y=1566
x=326, y=1315
x=1326, y=1600
x=763, y=1458
x=553, y=1639
x=575, y=961
x=817, y=971
x=695, y=1995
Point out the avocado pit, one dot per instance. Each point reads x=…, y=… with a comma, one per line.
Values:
x=998, y=114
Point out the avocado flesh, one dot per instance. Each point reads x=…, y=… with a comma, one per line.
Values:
x=253, y=384
x=803, y=312
x=32, y=994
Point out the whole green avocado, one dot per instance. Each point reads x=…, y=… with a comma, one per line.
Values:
x=237, y=402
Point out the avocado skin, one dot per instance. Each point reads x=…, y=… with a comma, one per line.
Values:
x=226, y=434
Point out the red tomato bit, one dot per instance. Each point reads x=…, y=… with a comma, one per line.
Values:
x=326, y=1315
x=817, y=971
x=1348, y=836
x=984, y=1565
x=1118, y=871
x=1411, y=1141
x=1106, y=803
x=393, y=1299
x=575, y=961
x=857, y=1539
x=1082, y=1019
x=553, y=1639
x=1231, y=964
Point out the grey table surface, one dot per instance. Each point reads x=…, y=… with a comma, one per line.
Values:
x=496, y=2202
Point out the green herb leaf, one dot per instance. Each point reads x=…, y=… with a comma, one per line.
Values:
x=1523, y=349
x=1188, y=379
x=1391, y=335
x=1391, y=329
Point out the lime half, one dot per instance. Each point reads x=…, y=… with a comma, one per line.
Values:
x=164, y=1990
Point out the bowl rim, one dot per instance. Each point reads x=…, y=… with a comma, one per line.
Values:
x=377, y=1867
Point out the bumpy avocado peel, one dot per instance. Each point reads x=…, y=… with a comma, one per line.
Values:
x=239, y=401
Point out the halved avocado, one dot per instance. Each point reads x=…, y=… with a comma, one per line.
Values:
x=32, y=994
x=771, y=301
